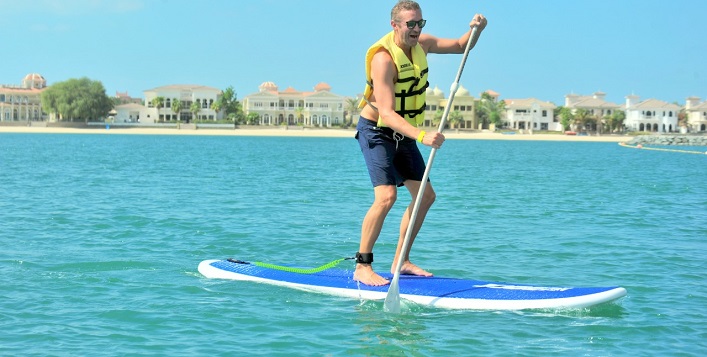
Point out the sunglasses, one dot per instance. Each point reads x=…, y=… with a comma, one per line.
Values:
x=411, y=24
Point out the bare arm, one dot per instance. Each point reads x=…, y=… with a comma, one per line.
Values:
x=433, y=44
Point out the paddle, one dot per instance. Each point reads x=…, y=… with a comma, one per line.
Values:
x=392, y=300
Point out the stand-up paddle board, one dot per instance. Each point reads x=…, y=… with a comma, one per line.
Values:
x=430, y=291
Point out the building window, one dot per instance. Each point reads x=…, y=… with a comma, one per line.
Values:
x=323, y=105
x=544, y=113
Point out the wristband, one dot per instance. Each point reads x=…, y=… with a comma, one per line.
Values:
x=421, y=136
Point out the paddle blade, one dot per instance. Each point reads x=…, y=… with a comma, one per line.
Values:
x=392, y=300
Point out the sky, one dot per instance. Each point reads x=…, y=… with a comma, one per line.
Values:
x=542, y=49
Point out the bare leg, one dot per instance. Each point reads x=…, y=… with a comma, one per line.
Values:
x=428, y=199
x=385, y=197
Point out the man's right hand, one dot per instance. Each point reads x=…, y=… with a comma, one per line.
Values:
x=433, y=139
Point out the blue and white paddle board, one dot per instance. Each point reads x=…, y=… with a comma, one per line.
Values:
x=429, y=291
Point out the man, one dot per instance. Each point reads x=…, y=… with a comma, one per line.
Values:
x=392, y=108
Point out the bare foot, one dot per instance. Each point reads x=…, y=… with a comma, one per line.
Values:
x=409, y=268
x=364, y=273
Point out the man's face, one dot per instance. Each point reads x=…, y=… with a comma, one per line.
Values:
x=405, y=35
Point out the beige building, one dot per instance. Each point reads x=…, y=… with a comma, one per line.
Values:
x=463, y=104
x=596, y=104
x=23, y=102
x=187, y=95
x=531, y=114
x=291, y=107
x=696, y=114
x=125, y=98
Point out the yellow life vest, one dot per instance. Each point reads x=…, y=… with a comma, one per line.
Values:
x=412, y=80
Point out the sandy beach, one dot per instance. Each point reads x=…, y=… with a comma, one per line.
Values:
x=298, y=132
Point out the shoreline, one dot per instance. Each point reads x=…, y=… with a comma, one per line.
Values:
x=304, y=132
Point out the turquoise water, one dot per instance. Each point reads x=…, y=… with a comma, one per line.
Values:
x=101, y=236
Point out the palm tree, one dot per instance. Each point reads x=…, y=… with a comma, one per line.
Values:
x=683, y=120
x=252, y=118
x=352, y=108
x=455, y=118
x=566, y=117
x=177, y=108
x=157, y=102
x=299, y=115
x=195, y=108
x=216, y=107
x=616, y=120
x=582, y=117
x=491, y=111
x=438, y=117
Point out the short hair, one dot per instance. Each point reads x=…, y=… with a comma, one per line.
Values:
x=403, y=5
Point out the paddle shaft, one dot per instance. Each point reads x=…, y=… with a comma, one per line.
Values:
x=392, y=300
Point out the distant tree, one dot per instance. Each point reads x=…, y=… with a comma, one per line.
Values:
x=216, y=106
x=566, y=117
x=299, y=115
x=115, y=101
x=615, y=121
x=582, y=117
x=195, y=108
x=438, y=117
x=352, y=108
x=490, y=111
x=252, y=118
x=455, y=118
x=177, y=108
x=157, y=102
x=77, y=100
x=229, y=103
x=682, y=117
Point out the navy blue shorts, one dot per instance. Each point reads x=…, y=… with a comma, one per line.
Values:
x=389, y=162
